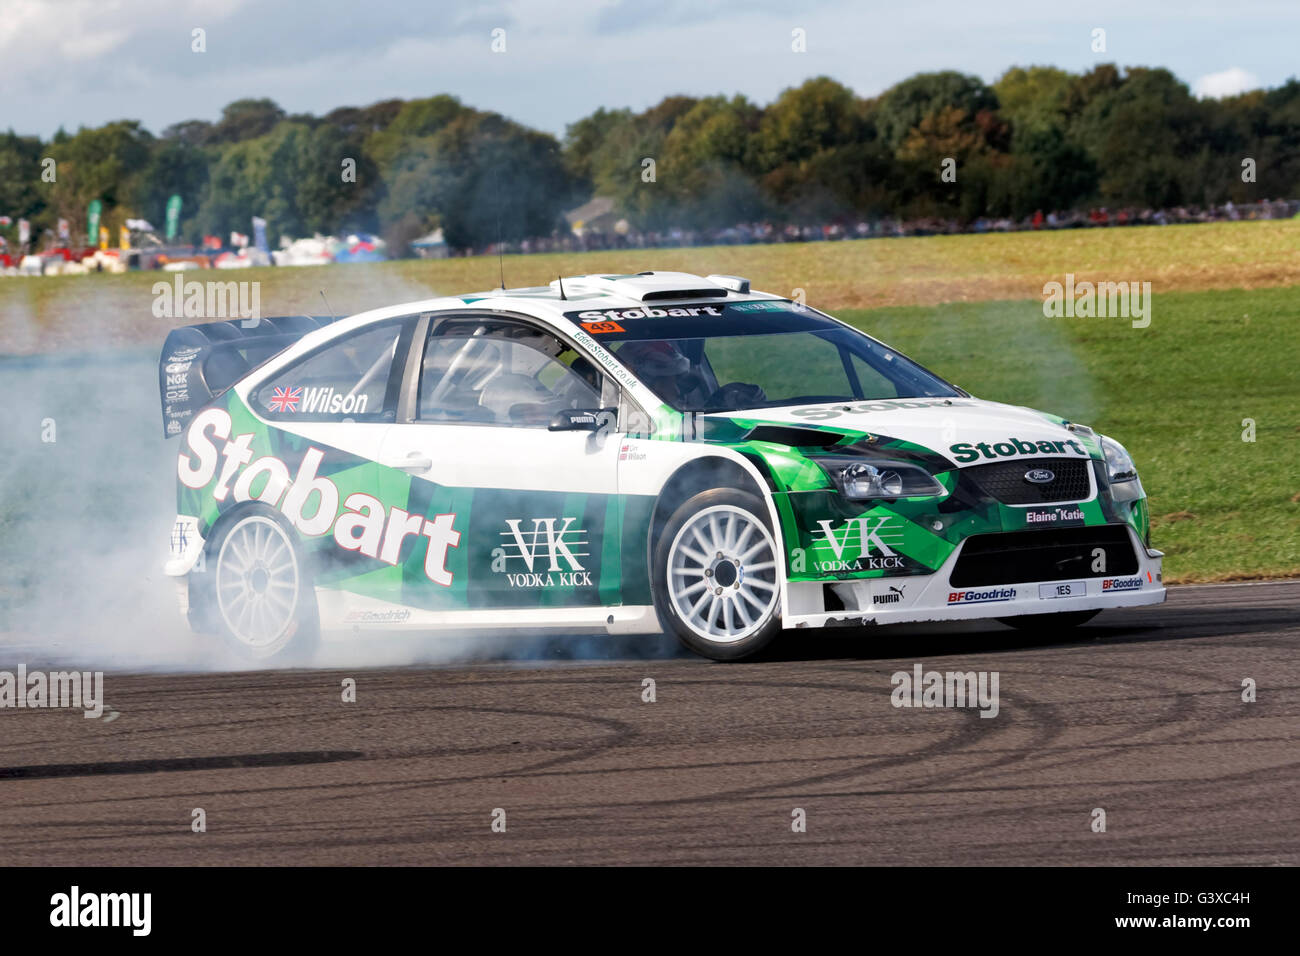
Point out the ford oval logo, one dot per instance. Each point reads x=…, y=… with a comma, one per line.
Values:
x=1039, y=476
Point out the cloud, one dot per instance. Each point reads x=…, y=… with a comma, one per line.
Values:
x=76, y=46
x=629, y=16
x=73, y=62
x=1226, y=83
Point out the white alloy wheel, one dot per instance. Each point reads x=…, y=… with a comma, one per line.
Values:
x=722, y=579
x=259, y=585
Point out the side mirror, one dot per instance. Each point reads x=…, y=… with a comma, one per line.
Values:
x=581, y=419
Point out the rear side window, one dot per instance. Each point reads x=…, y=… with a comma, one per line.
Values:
x=348, y=380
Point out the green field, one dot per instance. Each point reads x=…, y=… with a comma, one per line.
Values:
x=1223, y=344
x=85, y=312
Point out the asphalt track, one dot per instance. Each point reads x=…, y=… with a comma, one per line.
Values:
x=1139, y=713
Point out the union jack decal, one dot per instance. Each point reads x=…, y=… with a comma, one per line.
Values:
x=285, y=399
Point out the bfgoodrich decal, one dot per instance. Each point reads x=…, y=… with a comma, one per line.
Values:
x=377, y=617
x=983, y=596
x=1121, y=584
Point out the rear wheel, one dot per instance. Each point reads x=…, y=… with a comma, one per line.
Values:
x=262, y=597
x=715, y=575
x=1049, y=622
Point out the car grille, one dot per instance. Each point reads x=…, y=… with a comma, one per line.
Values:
x=1058, y=554
x=1005, y=480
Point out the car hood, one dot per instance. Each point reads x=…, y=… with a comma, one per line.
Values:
x=953, y=428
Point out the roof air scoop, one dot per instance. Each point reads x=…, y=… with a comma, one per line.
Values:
x=734, y=283
x=652, y=286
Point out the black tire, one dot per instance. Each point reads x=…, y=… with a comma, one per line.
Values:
x=277, y=619
x=1043, y=623
x=740, y=600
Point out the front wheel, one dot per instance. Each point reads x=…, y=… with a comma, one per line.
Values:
x=262, y=595
x=715, y=575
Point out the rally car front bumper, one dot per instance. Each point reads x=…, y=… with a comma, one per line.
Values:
x=935, y=597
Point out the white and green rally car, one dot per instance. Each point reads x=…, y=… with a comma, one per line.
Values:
x=627, y=453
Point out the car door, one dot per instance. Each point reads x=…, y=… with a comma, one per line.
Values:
x=536, y=509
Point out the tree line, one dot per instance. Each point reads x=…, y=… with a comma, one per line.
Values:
x=940, y=144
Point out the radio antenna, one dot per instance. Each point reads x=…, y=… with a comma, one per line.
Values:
x=560, y=280
x=328, y=308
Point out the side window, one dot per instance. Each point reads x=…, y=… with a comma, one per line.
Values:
x=500, y=373
x=345, y=381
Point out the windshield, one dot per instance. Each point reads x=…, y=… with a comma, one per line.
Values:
x=734, y=358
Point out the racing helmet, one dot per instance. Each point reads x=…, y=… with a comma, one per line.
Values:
x=655, y=359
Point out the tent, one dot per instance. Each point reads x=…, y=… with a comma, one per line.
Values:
x=361, y=247
x=432, y=246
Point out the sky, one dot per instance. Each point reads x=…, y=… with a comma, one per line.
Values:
x=86, y=62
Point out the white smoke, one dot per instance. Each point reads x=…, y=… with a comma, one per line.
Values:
x=85, y=518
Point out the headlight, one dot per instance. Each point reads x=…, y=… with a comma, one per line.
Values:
x=861, y=480
x=1123, y=475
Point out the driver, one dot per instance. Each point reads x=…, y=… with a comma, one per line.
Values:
x=666, y=370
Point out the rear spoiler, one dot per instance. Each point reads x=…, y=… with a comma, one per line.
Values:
x=199, y=362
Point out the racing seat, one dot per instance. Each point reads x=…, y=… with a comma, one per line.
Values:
x=517, y=399
x=587, y=372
